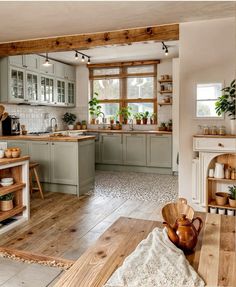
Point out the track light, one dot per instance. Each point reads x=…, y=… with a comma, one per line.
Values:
x=47, y=63
x=84, y=56
x=165, y=47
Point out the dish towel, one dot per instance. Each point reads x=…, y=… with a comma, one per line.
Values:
x=156, y=262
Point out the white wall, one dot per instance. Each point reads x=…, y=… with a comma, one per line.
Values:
x=207, y=54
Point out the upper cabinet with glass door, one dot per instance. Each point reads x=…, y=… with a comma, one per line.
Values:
x=16, y=85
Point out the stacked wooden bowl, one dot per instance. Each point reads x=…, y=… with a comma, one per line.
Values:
x=3, y=113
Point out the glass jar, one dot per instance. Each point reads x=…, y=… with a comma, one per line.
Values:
x=222, y=130
x=213, y=130
x=205, y=130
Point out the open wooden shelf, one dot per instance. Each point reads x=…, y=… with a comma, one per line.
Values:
x=165, y=81
x=6, y=214
x=165, y=92
x=213, y=204
x=165, y=104
x=222, y=179
x=11, y=188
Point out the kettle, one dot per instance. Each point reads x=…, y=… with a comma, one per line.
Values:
x=219, y=170
x=184, y=234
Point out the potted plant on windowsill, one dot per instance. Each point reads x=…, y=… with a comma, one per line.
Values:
x=226, y=104
x=162, y=127
x=84, y=125
x=232, y=197
x=6, y=202
x=153, y=119
x=69, y=119
x=125, y=113
x=94, y=108
x=145, y=117
x=138, y=118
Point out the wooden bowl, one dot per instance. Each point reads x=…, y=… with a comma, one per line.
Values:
x=221, y=198
x=173, y=211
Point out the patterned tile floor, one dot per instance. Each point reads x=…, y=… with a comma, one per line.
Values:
x=135, y=185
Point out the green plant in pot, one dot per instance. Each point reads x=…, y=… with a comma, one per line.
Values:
x=153, y=119
x=226, y=104
x=69, y=119
x=84, y=124
x=145, y=117
x=232, y=197
x=94, y=108
x=138, y=118
x=6, y=202
x=162, y=127
x=169, y=125
x=125, y=113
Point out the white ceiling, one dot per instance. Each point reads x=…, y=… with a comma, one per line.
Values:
x=136, y=51
x=35, y=19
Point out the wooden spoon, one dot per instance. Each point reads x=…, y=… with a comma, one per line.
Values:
x=4, y=116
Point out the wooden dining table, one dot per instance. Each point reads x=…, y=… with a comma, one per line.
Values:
x=214, y=257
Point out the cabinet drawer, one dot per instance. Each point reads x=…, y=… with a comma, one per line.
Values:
x=214, y=144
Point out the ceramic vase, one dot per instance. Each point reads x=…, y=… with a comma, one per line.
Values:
x=233, y=127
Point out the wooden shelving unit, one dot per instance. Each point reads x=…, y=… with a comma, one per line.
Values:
x=165, y=81
x=18, y=170
x=222, y=180
x=165, y=92
x=227, y=206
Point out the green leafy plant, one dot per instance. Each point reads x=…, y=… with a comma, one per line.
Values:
x=226, y=104
x=125, y=112
x=138, y=116
x=7, y=197
x=153, y=116
x=145, y=115
x=94, y=107
x=84, y=122
x=69, y=118
x=163, y=125
x=232, y=190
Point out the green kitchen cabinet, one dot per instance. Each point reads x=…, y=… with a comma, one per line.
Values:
x=23, y=145
x=39, y=151
x=64, y=162
x=97, y=152
x=159, y=148
x=111, y=148
x=134, y=149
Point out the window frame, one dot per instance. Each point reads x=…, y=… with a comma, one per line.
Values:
x=196, y=117
x=123, y=76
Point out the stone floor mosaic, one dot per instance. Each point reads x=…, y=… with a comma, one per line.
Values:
x=135, y=185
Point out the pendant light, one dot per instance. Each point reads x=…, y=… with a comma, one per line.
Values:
x=165, y=47
x=83, y=59
x=47, y=63
x=76, y=55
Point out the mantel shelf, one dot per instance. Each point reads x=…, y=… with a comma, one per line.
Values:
x=222, y=179
x=11, y=188
x=213, y=204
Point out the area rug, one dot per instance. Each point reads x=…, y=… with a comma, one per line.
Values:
x=156, y=262
x=137, y=186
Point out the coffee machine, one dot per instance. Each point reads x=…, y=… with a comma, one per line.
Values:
x=11, y=126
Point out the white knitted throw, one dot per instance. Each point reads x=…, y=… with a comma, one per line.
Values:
x=156, y=262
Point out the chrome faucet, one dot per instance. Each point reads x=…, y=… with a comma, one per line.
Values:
x=103, y=120
x=53, y=129
x=131, y=124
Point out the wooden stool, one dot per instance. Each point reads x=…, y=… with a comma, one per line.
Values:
x=33, y=172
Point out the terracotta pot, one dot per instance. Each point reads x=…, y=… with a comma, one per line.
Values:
x=112, y=122
x=145, y=121
x=138, y=122
x=161, y=128
x=221, y=198
x=6, y=205
x=93, y=121
x=125, y=122
x=232, y=202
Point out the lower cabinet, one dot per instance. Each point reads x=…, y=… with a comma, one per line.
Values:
x=134, y=149
x=159, y=150
x=64, y=162
x=111, y=148
x=40, y=152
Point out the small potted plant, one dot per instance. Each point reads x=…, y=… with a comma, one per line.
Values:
x=78, y=125
x=118, y=125
x=69, y=119
x=226, y=104
x=153, y=119
x=112, y=120
x=84, y=125
x=6, y=202
x=162, y=127
x=145, y=117
x=169, y=125
x=125, y=113
x=138, y=118
x=94, y=108
x=232, y=197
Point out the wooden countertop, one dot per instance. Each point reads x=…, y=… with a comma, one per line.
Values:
x=4, y=161
x=128, y=131
x=48, y=138
x=214, y=256
x=214, y=136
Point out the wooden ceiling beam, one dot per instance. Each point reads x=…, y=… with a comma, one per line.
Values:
x=87, y=41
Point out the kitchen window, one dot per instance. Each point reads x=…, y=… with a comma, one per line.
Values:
x=125, y=84
x=207, y=95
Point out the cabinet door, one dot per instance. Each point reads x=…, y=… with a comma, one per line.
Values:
x=60, y=70
x=61, y=92
x=64, y=162
x=159, y=150
x=32, y=87
x=111, y=149
x=16, y=61
x=47, y=89
x=23, y=145
x=40, y=152
x=69, y=73
x=71, y=93
x=17, y=85
x=31, y=62
x=134, y=149
x=97, y=152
